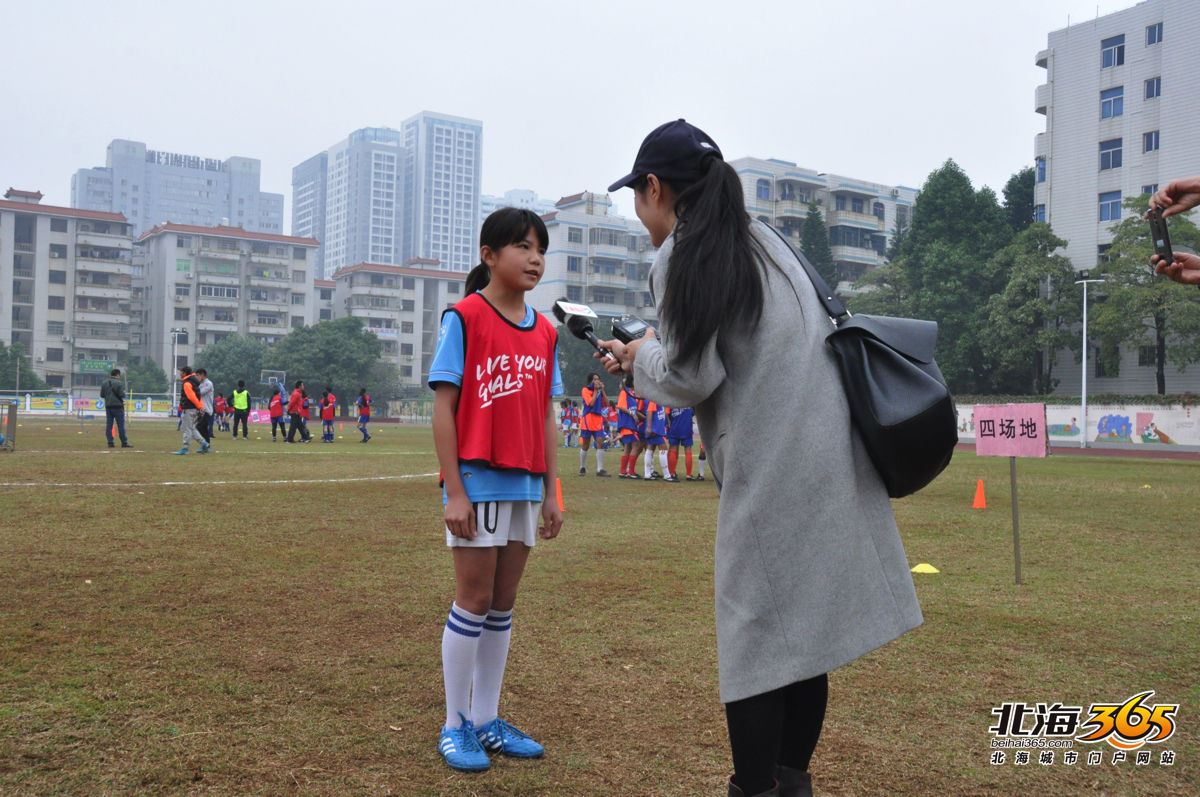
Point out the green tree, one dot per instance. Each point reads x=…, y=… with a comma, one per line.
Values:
x=814, y=243
x=232, y=358
x=339, y=353
x=1141, y=308
x=144, y=376
x=944, y=272
x=1018, y=199
x=1035, y=316
x=13, y=359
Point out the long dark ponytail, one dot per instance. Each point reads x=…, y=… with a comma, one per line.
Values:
x=501, y=228
x=714, y=276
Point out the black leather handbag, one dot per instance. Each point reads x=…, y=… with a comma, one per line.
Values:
x=898, y=399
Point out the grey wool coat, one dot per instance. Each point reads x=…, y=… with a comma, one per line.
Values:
x=810, y=571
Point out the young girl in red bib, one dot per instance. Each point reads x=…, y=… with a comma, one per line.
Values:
x=493, y=373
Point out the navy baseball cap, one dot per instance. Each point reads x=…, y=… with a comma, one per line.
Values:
x=673, y=151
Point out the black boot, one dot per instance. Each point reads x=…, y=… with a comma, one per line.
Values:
x=793, y=782
x=734, y=791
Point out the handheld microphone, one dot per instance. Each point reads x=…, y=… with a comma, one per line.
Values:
x=578, y=320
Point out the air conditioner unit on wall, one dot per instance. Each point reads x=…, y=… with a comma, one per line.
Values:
x=178, y=298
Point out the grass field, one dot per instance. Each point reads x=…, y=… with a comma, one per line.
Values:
x=266, y=619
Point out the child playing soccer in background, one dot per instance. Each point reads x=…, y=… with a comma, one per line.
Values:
x=591, y=426
x=656, y=428
x=363, y=402
x=679, y=433
x=629, y=417
x=495, y=444
x=327, y=408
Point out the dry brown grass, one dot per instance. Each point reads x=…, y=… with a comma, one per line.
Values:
x=250, y=638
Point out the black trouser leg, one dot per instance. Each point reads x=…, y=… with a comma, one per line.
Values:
x=778, y=727
x=294, y=418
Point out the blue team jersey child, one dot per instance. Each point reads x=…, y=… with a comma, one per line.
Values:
x=484, y=483
x=679, y=426
x=656, y=424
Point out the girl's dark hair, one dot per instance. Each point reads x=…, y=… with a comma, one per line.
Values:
x=501, y=228
x=715, y=274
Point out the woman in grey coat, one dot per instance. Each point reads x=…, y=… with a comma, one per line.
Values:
x=810, y=570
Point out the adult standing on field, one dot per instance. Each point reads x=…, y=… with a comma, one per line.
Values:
x=113, y=392
x=810, y=572
x=190, y=407
x=204, y=422
x=295, y=405
x=241, y=408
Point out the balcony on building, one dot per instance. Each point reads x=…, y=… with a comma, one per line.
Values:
x=118, y=343
x=856, y=255
x=108, y=259
x=1041, y=98
x=848, y=218
x=1042, y=59
x=268, y=276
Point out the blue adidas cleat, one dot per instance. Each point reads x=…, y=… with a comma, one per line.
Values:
x=461, y=749
x=500, y=737
x=182, y=451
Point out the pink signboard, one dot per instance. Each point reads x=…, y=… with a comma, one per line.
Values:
x=1011, y=430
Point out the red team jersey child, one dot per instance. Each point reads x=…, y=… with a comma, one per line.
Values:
x=328, y=402
x=564, y=418
x=591, y=425
x=275, y=410
x=493, y=373
x=220, y=407
x=363, y=402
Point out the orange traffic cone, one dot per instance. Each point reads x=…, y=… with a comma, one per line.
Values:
x=339, y=427
x=558, y=489
x=980, y=501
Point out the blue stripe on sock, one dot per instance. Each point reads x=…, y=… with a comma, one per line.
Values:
x=498, y=621
x=465, y=621
x=462, y=631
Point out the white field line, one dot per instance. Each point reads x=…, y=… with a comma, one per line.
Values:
x=227, y=481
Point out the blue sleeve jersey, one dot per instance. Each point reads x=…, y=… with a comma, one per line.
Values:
x=482, y=482
x=657, y=423
x=681, y=423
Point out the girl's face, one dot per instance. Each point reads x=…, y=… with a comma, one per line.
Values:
x=517, y=266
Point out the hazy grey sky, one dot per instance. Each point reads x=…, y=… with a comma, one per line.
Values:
x=882, y=90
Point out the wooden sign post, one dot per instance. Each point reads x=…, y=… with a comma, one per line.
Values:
x=1012, y=430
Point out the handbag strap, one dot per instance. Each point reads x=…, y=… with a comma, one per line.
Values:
x=833, y=305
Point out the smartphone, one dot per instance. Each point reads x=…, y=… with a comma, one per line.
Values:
x=1160, y=237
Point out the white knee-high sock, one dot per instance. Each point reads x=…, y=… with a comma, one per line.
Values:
x=647, y=466
x=662, y=460
x=582, y=458
x=460, y=646
x=489, y=667
x=702, y=463
x=599, y=458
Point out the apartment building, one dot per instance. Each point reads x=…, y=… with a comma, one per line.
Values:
x=153, y=186
x=387, y=196
x=1120, y=102
x=861, y=216
x=403, y=306
x=65, y=288
x=200, y=284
